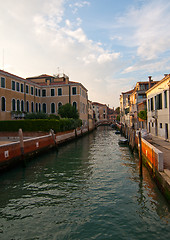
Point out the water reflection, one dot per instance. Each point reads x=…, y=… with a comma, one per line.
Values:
x=89, y=189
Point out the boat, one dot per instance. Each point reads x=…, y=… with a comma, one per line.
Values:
x=117, y=132
x=123, y=141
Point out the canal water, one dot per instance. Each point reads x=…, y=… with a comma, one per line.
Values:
x=89, y=189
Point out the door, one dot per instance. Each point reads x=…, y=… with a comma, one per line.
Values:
x=166, y=131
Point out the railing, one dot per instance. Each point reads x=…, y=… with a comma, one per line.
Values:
x=154, y=113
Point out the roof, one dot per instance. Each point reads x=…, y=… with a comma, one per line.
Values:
x=99, y=104
x=9, y=74
x=41, y=76
x=158, y=83
x=130, y=91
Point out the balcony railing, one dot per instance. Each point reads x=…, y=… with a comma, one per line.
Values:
x=154, y=114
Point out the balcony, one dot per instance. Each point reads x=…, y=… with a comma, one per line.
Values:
x=154, y=114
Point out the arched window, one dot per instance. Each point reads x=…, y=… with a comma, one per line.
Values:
x=39, y=107
x=59, y=105
x=52, y=107
x=13, y=105
x=44, y=107
x=18, y=105
x=22, y=105
x=32, y=107
x=75, y=105
x=27, y=106
x=36, y=107
x=3, y=103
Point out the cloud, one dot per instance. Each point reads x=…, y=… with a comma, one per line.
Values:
x=43, y=39
x=146, y=28
x=78, y=4
x=148, y=66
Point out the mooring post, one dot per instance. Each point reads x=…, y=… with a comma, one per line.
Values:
x=53, y=136
x=75, y=132
x=140, y=154
x=21, y=144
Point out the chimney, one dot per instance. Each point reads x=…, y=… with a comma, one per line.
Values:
x=165, y=74
x=150, y=80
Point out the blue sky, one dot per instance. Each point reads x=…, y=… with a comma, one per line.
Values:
x=106, y=45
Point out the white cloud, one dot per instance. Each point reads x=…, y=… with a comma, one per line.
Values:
x=147, y=28
x=43, y=40
x=107, y=57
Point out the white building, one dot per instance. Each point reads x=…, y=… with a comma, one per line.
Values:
x=158, y=108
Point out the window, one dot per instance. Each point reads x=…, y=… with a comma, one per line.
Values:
x=13, y=85
x=13, y=105
x=22, y=87
x=52, y=92
x=75, y=105
x=18, y=105
x=36, y=92
x=52, y=107
x=44, y=108
x=27, y=106
x=17, y=87
x=3, y=103
x=59, y=91
x=36, y=107
x=159, y=101
x=74, y=91
x=160, y=125
x=39, y=92
x=165, y=99
x=44, y=93
x=32, y=107
x=39, y=107
x=59, y=105
x=22, y=105
x=2, y=82
x=155, y=103
x=27, y=89
x=32, y=91
x=151, y=104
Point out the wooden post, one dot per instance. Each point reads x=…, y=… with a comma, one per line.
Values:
x=140, y=154
x=75, y=133
x=21, y=145
x=53, y=136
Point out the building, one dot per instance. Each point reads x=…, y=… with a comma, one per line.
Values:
x=100, y=111
x=91, y=120
x=112, y=115
x=41, y=93
x=125, y=107
x=158, y=108
x=137, y=97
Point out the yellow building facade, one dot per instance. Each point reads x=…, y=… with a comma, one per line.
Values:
x=42, y=93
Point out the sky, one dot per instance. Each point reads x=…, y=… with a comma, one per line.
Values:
x=107, y=45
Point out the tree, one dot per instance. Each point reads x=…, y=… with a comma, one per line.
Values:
x=143, y=114
x=68, y=111
x=117, y=110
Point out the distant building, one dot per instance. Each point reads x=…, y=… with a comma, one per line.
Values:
x=138, y=97
x=41, y=93
x=100, y=111
x=112, y=115
x=125, y=107
x=158, y=106
x=91, y=120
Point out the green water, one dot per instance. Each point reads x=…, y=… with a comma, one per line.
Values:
x=89, y=189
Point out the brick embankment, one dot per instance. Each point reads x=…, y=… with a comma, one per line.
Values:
x=14, y=150
x=164, y=147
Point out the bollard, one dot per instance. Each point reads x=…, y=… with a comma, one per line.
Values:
x=22, y=145
x=140, y=154
x=53, y=136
